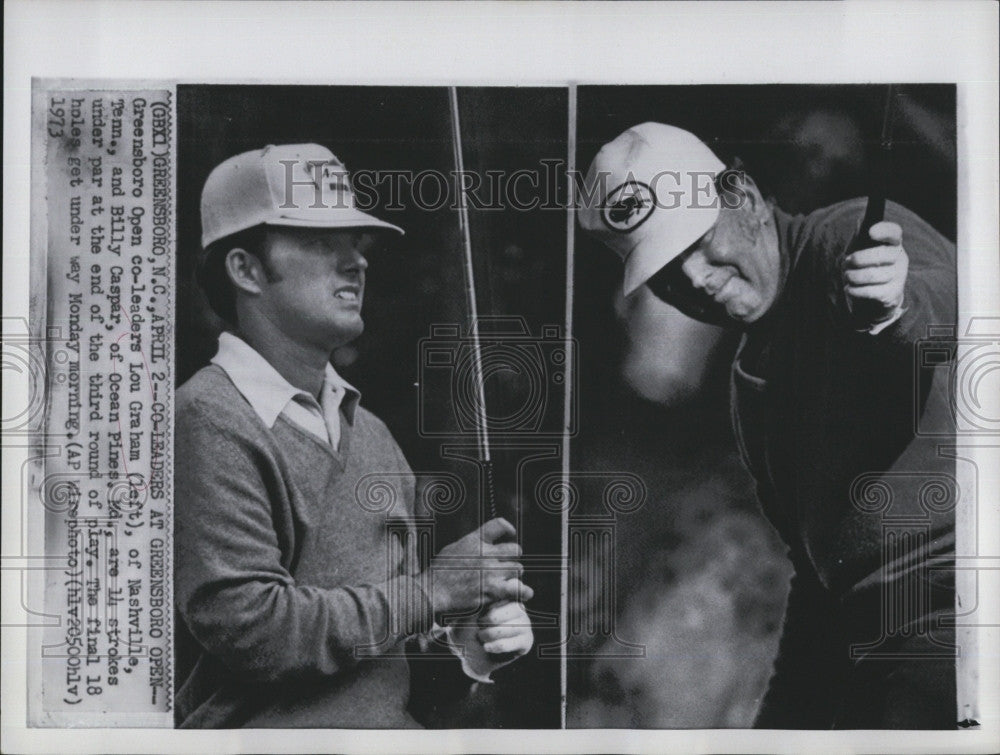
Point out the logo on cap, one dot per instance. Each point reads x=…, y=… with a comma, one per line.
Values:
x=332, y=176
x=628, y=206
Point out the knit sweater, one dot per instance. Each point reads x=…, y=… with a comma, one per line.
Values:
x=294, y=597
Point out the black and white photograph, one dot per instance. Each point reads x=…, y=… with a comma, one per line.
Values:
x=500, y=377
x=301, y=625
x=787, y=250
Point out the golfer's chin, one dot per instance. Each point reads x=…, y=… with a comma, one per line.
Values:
x=345, y=330
x=725, y=317
x=745, y=310
x=736, y=312
x=740, y=315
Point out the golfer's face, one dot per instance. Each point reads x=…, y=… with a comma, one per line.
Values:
x=729, y=277
x=318, y=284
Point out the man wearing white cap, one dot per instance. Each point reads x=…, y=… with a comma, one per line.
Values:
x=824, y=402
x=294, y=600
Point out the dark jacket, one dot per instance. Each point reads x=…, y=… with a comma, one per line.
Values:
x=841, y=432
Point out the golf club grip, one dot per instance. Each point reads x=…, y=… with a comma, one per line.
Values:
x=862, y=312
x=874, y=213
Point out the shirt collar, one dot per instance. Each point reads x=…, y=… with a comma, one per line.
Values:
x=350, y=395
x=263, y=386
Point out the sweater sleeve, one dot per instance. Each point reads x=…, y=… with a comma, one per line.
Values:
x=237, y=599
x=414, y=561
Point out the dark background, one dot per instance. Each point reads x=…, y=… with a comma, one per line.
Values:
x=701, y=577
x=416, y=282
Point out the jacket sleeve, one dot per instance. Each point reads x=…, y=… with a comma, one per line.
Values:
x=238, y=600
x=930, y=294
x=930, y=297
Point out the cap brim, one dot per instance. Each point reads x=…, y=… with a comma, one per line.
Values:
x=339, y=218
x=659, y=249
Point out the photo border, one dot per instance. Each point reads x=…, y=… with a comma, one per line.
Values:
x=500, y=44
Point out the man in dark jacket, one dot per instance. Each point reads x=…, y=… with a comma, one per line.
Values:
x=825, y=406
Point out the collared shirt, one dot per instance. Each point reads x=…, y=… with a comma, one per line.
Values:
x=271, y=395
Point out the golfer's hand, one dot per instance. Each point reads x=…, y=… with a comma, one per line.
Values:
x=477, y=570
x=502, y=636
x=505, y=631
x=874, y=278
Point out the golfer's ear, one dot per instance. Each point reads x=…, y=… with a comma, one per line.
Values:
x=244, y=270
x=731, y=185
x=739, y=189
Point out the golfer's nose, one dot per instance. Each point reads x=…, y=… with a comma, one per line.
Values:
x=697, y=269
x=353, y=261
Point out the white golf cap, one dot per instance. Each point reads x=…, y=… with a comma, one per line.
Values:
x=298, y=185
x=649, y=195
